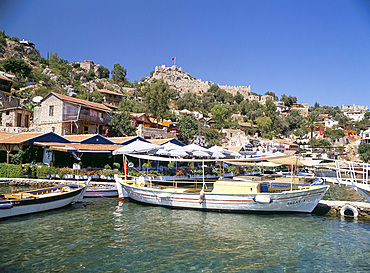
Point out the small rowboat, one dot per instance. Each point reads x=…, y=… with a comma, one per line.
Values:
x=106, y=191
x=41, y=199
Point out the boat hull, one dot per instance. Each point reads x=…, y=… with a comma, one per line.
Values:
x=296, y=201
x=26, y=206
x=92, y=192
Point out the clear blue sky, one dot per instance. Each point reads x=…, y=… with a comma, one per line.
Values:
x=316, y=50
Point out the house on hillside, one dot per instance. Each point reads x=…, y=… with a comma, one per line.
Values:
x=5, y=84
x=365, y=136
x=111, y=97
x=354, y=112
x=265, y=98
x=329, y=122
x=234, y=137
x=15, y=119
x=301, y=108
x=65, y=115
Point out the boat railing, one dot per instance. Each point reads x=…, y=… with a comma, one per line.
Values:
x=352, y=172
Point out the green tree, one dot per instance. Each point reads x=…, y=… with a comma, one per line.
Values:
x=310, y=122
x=324, y=143
x=188, y=128
x=272, y=94
x=288, y=100
x=364, y=151
x=294, y=120
x=119, y=73
x=60, y=67
x=156, y=97
x=2, y=39
x=188, y=101
x=16, y=66
x=238, y=98
x=270, y=111
x=251, y=110
x=105, y=73
x=212, y=136
x=134, y=106
x=206, y=102
x=121, y=123
x=264, y=124
x=219, y=114
x=334, y=133
x=90, y=75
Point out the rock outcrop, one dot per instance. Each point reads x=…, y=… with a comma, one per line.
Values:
x=19, y=49
x=185, y=83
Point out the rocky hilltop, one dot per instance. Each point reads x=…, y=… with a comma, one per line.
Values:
x=185, y=83
x=19, y=49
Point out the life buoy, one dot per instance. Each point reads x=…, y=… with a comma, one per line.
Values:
x=349, y=208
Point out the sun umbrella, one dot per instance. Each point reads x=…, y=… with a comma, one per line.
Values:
x=218, y=155
x=194, y=147
x=200, y=154
x=170, y=146
x=162, y=152
x=178, y=152
x=137, y=146
x=216, y=149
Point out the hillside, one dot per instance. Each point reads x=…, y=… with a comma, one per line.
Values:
x=183, y=82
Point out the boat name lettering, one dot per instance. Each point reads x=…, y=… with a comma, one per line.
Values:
x=294, y=202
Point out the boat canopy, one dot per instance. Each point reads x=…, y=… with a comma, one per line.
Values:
x=230, y=161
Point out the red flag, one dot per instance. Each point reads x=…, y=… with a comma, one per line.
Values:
x=173, y=59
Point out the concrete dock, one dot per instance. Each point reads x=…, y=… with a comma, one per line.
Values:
x=360, y=210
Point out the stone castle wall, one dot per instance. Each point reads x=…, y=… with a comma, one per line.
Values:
x=184, y=82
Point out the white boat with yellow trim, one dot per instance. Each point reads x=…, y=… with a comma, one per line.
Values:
x=223, y=195
x=41, y=199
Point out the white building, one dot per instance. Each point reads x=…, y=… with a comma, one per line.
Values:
x=329, y=122
x=365, y=136
x=354, y=112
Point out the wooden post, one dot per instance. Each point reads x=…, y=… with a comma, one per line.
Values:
x=7, y=156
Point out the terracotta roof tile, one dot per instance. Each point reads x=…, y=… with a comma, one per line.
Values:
x=110, y=105
x=78, y=146
x=78, y=138
x=159, y=141
x=120, y=139
x=22, y=137
x=90, y=104
x=4, y=135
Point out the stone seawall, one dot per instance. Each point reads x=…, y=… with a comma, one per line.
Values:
x=42, y=183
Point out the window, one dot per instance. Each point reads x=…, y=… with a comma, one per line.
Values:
x=51, y=110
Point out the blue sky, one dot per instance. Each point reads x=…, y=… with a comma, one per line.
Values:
x=316, y=50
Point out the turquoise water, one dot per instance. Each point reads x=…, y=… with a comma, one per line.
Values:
x=104, y=235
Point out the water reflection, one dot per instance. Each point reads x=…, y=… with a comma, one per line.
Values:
x=106, y=235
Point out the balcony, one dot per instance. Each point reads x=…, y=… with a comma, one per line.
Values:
x=88, y=118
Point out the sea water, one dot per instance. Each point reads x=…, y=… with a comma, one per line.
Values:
x=104, y=235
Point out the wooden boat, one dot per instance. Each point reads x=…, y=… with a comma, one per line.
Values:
x=41, y=199
x=101, y=191
x=224, y=195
